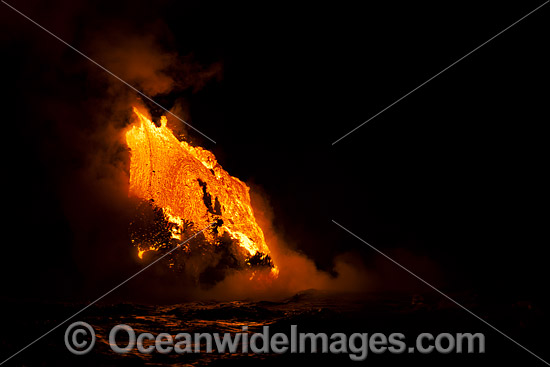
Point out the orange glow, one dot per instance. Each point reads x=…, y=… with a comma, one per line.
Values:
x=140, y=253
x=188, y=184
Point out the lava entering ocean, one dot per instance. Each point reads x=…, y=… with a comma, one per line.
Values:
x=184, y=189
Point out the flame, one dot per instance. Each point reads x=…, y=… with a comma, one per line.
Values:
x=188, y=184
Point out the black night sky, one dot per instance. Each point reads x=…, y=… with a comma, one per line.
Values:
x=451, y=181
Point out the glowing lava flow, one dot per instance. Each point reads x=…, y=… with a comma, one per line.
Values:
x=188, y=184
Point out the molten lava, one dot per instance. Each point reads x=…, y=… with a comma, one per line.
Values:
x=191, y=189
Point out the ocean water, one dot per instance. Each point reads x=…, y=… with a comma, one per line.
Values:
x=311, y=311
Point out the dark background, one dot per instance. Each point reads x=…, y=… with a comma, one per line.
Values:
x=450, y=181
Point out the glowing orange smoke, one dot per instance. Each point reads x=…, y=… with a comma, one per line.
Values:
x=188, y=184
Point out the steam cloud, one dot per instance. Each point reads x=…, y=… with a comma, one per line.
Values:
x=83, y=151
x=297, y=271
x=143, y=63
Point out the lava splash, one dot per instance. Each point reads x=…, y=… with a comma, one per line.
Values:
x=188, y=188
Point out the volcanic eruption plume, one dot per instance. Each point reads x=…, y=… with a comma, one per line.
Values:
x=181, y=188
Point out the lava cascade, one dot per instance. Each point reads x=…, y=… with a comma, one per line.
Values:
x=190, y=186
